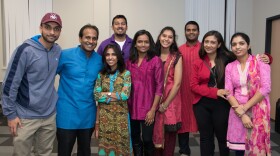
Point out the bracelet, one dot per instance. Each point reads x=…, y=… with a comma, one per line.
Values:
x=241, y=115
x=109, y=99
x=164, y=108
x=117, y=95
x=243, y=108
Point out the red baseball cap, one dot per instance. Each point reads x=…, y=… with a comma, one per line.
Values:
x=52, y=17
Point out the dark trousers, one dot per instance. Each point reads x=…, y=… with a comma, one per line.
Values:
x=183, y=140
x=66, y=139
x=239, y=153
x=142, y=143
x=212, y=119
x=169, y=145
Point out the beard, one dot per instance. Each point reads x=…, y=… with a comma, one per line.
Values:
x=120, y=35
x=191, y=40
x=48, y=40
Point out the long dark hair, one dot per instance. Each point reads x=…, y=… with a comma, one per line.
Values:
x=120, y=63
x=173, y=48
x=223, y=56
x=244, y=36
x=133, y=56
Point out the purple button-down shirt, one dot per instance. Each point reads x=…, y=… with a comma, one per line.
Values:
x=147, y=81
x=111, y=40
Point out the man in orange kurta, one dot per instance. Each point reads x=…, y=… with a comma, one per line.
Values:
x=189, y=52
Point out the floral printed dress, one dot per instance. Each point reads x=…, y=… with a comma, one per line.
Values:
x=114, y=126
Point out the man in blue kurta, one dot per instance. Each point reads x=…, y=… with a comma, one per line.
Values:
x=76, y=109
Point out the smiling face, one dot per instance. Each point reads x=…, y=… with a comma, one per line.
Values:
x=142, y=43
x=166, y=39
x=211, y=44
x=239, y=46
x=191, y=33
x=88, y=40
x=50, y=32
x=119, y=27
x=111, y=58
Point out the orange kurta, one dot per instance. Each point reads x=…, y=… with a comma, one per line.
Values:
x=189, y=54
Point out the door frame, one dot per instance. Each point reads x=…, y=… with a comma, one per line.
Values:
x=268, y=31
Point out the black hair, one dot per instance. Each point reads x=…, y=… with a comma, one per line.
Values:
x=173, y=47
x=88, y=26
x=120, y=63
x=133, y=55
x=222, y=58
x=119, y=16
x=193, y=23
x=244, y=36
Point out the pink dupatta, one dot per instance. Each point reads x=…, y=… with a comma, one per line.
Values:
x=158, y=134
x=258, y=138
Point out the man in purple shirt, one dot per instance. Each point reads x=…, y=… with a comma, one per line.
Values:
x=119, y=26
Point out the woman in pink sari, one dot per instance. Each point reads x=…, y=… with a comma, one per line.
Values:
x=249, y=83
x=168, y=116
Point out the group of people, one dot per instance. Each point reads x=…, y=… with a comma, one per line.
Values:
x=147, y=93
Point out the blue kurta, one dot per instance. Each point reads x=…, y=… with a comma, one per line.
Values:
x=76, y=108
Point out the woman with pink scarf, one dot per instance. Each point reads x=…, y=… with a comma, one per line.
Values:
x=168, y=116
x=249, y=83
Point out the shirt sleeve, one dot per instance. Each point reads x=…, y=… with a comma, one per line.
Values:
x=265, y=87
x=159, y=77
x=60, y=64
x=201, y=88
x=98, y=89
x=16, y=70
x=100, y=49
x=270, y=57
x=124, y=94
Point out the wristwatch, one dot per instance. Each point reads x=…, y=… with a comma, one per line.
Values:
x=109, y=94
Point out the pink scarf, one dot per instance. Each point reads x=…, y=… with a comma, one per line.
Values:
x=158, y=134
x=258, y=138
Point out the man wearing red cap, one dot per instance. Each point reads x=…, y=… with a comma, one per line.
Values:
x=29, y=96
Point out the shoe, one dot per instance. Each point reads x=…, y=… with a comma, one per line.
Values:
x=112, y=153
x=137, y=149
x=101, y=152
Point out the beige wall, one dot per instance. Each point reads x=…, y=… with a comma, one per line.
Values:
x=244, y=16
x=74, y=15
x=261, y=11
x=100, y=13
x=1, y=45
x=251, y=18
x=152, y=16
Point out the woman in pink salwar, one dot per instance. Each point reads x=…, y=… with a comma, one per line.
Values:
x=168, y=116
x=249, y=83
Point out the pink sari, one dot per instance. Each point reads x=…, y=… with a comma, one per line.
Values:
x=258, y=138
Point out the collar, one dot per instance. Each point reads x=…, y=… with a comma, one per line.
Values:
x=127, y=38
